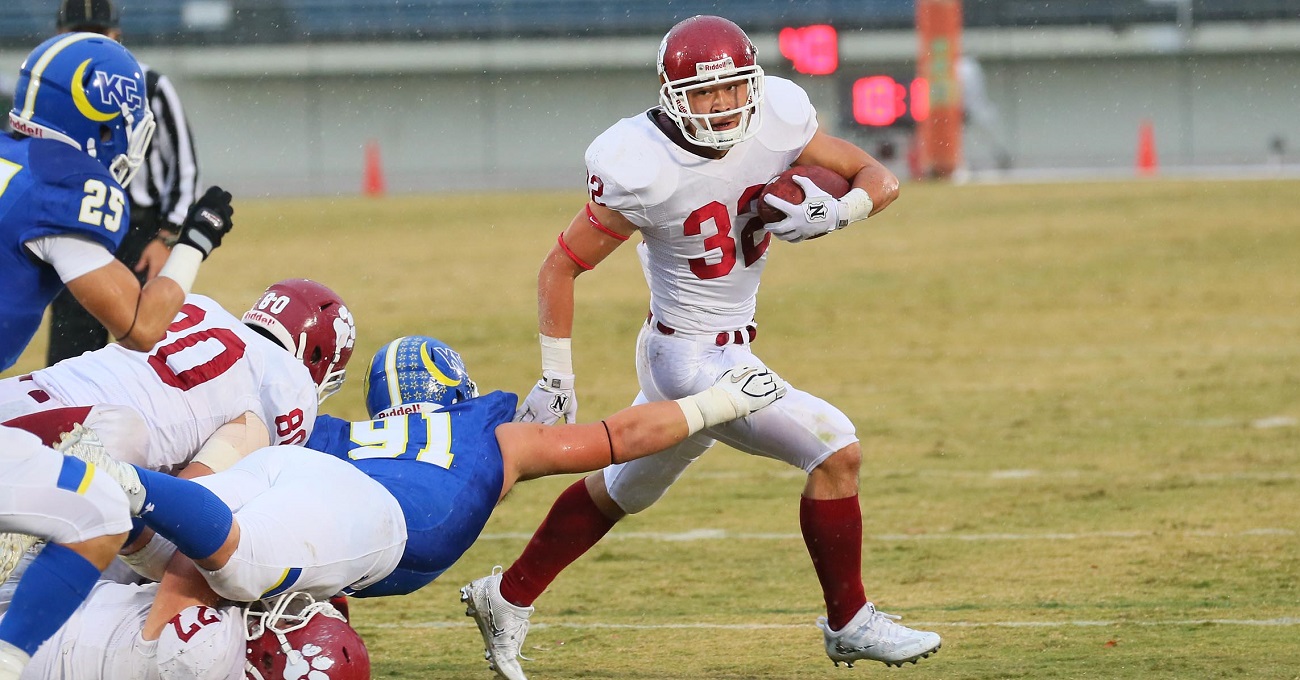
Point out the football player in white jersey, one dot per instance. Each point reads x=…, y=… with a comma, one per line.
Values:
x=288, y=636
x=686, y=175
x=214, y=389
x=83, y=515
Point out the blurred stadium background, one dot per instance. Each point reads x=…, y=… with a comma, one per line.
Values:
x=287, y=95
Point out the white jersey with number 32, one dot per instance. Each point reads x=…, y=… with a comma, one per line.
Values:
x=704, y=245
x=207, y=371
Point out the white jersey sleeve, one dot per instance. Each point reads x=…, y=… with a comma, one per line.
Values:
x=704, y=247
x=789, y=119
x=628, y=169
x=71, y=256
x=202, y=643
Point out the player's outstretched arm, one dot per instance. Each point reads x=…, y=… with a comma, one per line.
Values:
x=530, y=450
x=138, y=317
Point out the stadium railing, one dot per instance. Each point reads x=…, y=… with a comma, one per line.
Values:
x=197, y=22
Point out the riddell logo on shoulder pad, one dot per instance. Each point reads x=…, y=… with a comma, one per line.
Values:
x=710, y=67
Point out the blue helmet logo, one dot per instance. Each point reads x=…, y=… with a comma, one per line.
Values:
x=413, y=370
x=86, y=90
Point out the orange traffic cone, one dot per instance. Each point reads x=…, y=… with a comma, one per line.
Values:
x=372, y=184
x=1146, y=153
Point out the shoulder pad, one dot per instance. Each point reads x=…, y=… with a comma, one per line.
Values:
x=631, y=165
x=61, y=172
x=57, y=163
x=789, y=119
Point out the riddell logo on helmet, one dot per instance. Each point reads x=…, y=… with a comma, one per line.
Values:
x=26, y=128
x=400, y=410
x=722, y=65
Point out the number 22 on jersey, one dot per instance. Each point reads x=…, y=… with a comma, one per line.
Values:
x=423, y=436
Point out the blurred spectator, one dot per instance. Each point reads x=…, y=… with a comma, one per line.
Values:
x=981, y=115
x=160, y=194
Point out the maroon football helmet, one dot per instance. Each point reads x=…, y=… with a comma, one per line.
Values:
x=311, y=321
x=709, y=51
x=294, y=636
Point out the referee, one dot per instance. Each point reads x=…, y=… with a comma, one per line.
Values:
x=160, y=194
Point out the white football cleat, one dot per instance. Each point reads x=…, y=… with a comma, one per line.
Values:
x=84, y=444
x=503, y=625
x=874, y=636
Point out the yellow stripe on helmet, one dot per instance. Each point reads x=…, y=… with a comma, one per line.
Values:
x=29, y=105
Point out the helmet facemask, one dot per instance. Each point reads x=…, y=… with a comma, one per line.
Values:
x=674, y=96
x=280, y=616
x=138, y=136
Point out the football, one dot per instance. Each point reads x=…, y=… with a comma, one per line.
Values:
x=784, y=187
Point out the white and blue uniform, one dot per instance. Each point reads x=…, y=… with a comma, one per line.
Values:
x=47, y=188
x=443, y=467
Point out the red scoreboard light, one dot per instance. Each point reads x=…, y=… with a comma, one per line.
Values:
x=884, y=101
x=814, y=50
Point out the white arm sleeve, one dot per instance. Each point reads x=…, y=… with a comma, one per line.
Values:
x=71, y=256
x=232, y=441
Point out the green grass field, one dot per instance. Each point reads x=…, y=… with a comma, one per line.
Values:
x=1078, y=405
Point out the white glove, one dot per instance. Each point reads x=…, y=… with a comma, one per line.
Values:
x=551, y=399
x=736, y=394
x=819, y=214
x=751, y=388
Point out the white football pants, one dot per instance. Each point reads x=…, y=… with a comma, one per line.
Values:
x=63, y=501
x=799, y=429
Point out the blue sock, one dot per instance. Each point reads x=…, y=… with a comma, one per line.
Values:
x=185, y=513
x=54, y=585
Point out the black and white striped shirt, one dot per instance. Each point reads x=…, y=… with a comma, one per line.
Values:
x=168, y=179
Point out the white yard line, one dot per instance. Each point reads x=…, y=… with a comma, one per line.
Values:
x=724, y=535
x=940, y=625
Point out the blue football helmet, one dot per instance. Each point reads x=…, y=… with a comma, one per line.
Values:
x=416, y=369
x=86, y=90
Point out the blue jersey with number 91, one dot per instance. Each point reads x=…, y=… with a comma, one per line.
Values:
x=443, y=467
x=47, y=188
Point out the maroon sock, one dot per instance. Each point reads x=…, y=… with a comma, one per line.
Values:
x=570, y=529
x=832, y=530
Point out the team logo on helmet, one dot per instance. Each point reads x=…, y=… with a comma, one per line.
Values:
x=449, y=356
x=116, y=91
